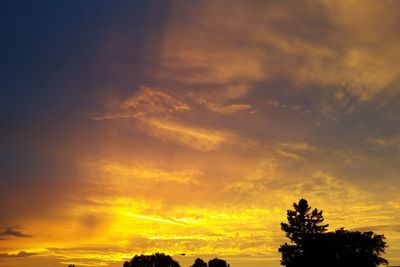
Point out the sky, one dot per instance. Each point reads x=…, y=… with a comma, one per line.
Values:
x=131, y=127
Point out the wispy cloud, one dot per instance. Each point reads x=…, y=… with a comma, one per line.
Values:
x=294, y=151
x=380, y=228
x=146, y=101
x=12, y=232
x=150, y=100
x=21, y=254
x=393, y=141
x=111, y=116
x=200, y=139
x=224, y=109
x=150, y=106
x=140, y=171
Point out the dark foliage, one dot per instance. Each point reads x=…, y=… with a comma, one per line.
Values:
x=346, y=248
x=199, y=263
x=217, y=263
x=302, y=221
x=314, y=247
x=154, y=260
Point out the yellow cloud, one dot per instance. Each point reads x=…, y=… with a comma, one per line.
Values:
x=196, y=138
x=139, y=171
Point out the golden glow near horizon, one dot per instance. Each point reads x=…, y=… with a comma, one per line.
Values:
x=249, y=107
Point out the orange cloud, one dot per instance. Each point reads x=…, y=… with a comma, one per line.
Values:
x=126, y=174
x=196, y=138
x=149, y=100
x=326, y=44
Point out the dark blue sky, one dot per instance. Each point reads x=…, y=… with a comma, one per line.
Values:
x=58, y=57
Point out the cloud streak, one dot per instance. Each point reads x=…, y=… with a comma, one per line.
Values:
x=196, y=138
x=21, y=254
x=12, y=232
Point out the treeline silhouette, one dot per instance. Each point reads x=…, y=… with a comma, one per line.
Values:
x=162, y=260
x=311, y=245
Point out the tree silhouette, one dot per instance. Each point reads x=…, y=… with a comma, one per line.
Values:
x=199, y=263
x=302, y=222
x=217, y=263
x=312, y=246
x=344, y=248
x=154, y=260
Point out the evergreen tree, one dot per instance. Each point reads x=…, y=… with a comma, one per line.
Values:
x=303, y=221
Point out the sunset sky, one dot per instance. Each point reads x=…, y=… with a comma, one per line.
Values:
x=132, y=127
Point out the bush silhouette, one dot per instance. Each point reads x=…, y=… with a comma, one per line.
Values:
x=154, y=260
x=217, y=263
x=199, y=263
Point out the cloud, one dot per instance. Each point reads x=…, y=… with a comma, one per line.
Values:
x=276, y=104
x=224, y=109
x=289, y=155
x=300, y=146
x=150, y=100
x=145, y=172
x=393, y=141
x=199, y=139
x=229, y=109
x=150, y=106
x=111, y=116
x=21, y=254
x=294, y=150
x=223, y=100
x=207, y=66
x=380, y=228
x=11, y=232
x=321, y=45
x=88, y=255
x=146, y=101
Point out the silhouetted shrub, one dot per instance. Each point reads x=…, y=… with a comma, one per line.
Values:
x=217, y=263
x=199, y=263
x=154, y=260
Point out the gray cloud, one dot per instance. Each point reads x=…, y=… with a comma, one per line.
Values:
x=11, y=232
